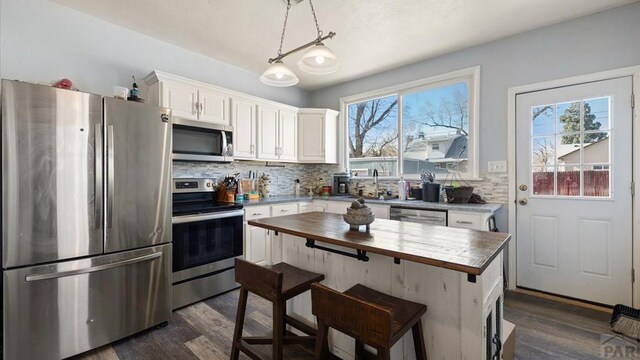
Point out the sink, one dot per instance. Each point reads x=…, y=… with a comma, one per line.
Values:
x=371, y=197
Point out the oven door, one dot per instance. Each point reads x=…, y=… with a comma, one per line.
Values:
x=206, y=243
x=199, y=141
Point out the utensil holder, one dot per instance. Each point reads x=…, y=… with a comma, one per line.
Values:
x=431, y=192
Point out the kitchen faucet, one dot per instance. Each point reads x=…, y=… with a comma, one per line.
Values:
x=375, y=182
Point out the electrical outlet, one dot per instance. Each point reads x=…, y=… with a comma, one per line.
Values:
x=497, y=166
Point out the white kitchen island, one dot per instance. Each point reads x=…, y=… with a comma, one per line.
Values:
x=457, y=273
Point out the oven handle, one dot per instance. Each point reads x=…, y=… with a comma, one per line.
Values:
x=200, y=217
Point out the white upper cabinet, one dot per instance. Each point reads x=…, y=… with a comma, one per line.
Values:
x=318, y=136
x=262, y=129
x=268, y=118
x=277, y=133
x=189, y=99
x=181, y=98
x=214, y=106
x=244, y=128
x=288, y=135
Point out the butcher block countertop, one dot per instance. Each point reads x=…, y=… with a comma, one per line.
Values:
x=464, y=250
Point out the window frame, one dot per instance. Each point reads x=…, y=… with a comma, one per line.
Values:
x=469, y=75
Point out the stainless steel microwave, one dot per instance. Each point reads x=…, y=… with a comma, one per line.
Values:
x=200, y=141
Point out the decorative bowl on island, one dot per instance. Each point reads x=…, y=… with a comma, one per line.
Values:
x=359, y=214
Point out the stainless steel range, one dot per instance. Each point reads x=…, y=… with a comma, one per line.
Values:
x=207, y=237
x=86, y=220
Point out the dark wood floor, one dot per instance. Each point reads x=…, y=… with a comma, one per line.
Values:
x=545, y=329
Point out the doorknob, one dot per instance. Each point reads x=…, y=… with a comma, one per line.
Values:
x=523, y=201
x=523, y=187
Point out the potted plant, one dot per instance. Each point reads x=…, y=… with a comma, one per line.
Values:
x=430, y=188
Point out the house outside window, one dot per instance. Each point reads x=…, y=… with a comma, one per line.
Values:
x=423, y=125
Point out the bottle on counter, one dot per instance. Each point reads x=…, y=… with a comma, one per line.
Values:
x=402, y=189
x=297, y=188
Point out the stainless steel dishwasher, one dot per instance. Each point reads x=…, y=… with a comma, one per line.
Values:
x=430, y=217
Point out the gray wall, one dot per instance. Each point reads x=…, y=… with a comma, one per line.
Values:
x=41, y=41
x=598, y=42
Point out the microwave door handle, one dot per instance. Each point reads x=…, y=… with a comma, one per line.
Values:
x=224, y=143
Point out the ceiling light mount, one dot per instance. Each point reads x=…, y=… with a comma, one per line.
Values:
x=318, y=60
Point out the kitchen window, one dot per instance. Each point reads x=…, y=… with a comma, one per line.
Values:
x=427, y=124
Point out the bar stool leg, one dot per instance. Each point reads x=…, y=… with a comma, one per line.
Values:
x=237, y=333
x=322, y=341
x=278, y=328
x=359, y=350
x=384, y=354
x=418, y=341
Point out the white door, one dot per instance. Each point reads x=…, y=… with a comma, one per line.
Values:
x=574, y=172
x=311, y=130
x=244, y=129
x=214, y=107
x=181, y=99
x=267, y=132
x=288, y=135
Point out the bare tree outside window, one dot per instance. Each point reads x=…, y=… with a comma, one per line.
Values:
x=373, y=135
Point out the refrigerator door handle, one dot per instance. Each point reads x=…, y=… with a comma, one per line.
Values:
x=56, y=275
x=97, y=146
x=110, y=176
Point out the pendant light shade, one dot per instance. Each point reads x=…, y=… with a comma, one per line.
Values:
x=319, y=60
x=278, y=74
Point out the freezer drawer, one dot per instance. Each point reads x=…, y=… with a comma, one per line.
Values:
x=59, y=310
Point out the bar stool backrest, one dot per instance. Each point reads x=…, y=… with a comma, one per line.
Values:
x=369, y=323
x=259, y=280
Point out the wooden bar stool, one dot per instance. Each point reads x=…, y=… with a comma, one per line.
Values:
x=277, y=283
x=371, y=317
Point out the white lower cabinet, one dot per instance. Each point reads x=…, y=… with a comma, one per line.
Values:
x=259, y=242
x=305, y=207
x=469, y=220
x=257, y=246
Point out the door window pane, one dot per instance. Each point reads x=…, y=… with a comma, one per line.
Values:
x=568, y=115
x=543, y=151
x=568, y=180
x=543, y=180
x=596, y=114
x=596, y=148
x=543, y=120
x=435, y=128
x=596, y=181
x=568, y=150
x=373, y=136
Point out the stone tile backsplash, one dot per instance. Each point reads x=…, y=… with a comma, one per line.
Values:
x=283, y=175
x=493, y=188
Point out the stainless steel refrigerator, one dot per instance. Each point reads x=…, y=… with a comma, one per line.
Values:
x=86, y=220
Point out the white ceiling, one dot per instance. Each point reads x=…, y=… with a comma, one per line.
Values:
x=372, y=35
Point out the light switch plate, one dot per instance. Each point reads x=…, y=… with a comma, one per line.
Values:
x=498, y=166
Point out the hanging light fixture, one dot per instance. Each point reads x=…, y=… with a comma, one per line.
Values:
x=318, y=60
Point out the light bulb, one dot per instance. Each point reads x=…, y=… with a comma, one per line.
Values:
x=320, y=60
x=279, y=76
